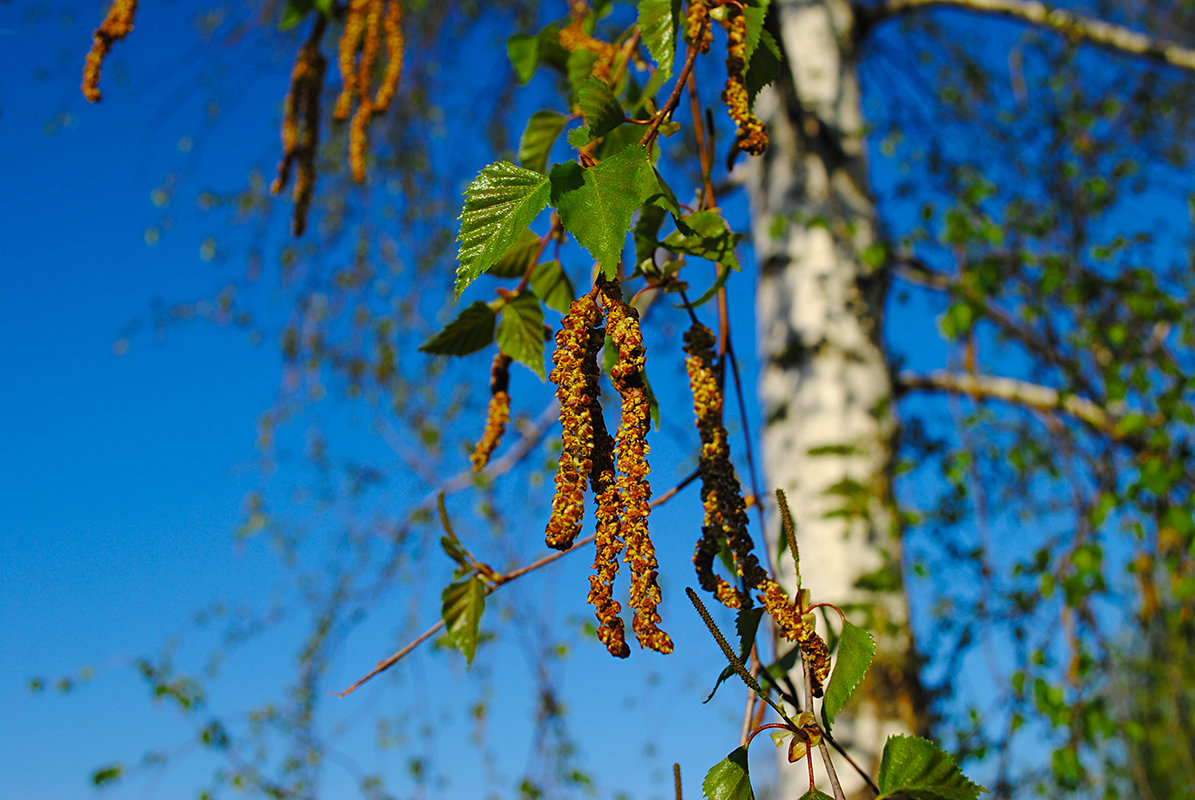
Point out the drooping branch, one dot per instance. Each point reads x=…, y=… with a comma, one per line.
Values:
x=1083, y=28
x=1017, y=392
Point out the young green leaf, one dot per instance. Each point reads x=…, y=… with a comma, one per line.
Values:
x=468, y=333
x=601, y=108
x=729, y=779
x=763, y=66
x=523, y=52
x=657, y=25
x=521, y=331
x=919, y=768
x=499, y=204
x=755, y=15
x=705, y=235
x=517, y=258
x=596, y=204
x=814, y=794
x=463, y=604
x=551, y=284
x=538, y=138
x=579, y=67
x=855, y=651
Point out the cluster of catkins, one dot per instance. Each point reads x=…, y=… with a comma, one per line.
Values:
x=615, y=467
x=369, y=25
x=751, y=135
x=116, y=25
x=726, y=514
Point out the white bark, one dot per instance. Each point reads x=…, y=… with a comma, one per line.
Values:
x=825, y=384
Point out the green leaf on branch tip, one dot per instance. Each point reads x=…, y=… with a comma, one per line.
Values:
x=919, y=768
x=729, y=778
x=499, y=204
x=658, y=21
x=515, y=262
x=523, y=52
x=463, y=604
x=746, y=623
x=521, y=331
x=763, y=66
x=596, y=204
x=856, y=648
x=601, y=109
x=705, y=235
x=550, y=283
x=473, y=330
x=538, y=138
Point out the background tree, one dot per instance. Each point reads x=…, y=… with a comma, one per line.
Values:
x=1062, y=301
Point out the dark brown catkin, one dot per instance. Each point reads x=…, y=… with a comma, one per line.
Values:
x=497, y=415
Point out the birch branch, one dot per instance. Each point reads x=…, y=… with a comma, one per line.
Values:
x=1017, y=392
x=1091, y=30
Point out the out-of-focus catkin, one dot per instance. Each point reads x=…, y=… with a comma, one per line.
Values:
x=300, y=128
x=498, y=414
x=622, y=326
x=369, y=26
x=575, y=374
x=116, y=25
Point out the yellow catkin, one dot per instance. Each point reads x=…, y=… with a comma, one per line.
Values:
x=607, y=538
x=498, y=414
x=350, y=39
x=300, y=129
x=751, y=135
x=697, y=25
x=721, y=493
x=575, y=374
x=573, y=37
x=622, y=326
x=392, y=28
x=116, y=25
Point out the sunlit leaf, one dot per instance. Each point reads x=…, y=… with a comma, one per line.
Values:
x=855, y=651
x=596, y=204
x=658, y=21
x=919, y=768
x=521, y=331
x=463, y=604
x=729, y=778
x=499, y=204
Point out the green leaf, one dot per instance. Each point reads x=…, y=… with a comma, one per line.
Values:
x=855, y=651
x=755, y=15
x=463, y=604
x=499, y=204
x=580, y=67
x=468, y=333
x=814, y=794
x=523, y=52
x=746, y=623
x=550, y=283
x=521, y=331
x=657, y=26
x=919, y=768
x=294, y=12
x=106, y=775
x=705, y=235
x=596, y=204
x=729, y=779
x=601, y=108
x=518, y=256
x=763, y=66
x=958, y=320
x=538, y=138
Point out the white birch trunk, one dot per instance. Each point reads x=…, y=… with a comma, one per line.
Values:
x=829, y=429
